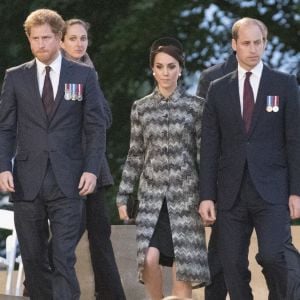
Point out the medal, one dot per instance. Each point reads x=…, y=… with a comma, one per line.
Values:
x=269, y=106
x=276, y=104
x=67, y=91
x=79, y=91
x=73, y=92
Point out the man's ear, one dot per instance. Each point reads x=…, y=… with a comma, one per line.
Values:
x=59, y=35
x=233, y=44
x=61, y=44
x=265, y=44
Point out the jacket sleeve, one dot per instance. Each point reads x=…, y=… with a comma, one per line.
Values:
x=135, y=159
x=108, y=114
x=106, y=108
x=198, y=127
x=94, y=125
x=8, y=123
x=210, y=149
x=292, y=135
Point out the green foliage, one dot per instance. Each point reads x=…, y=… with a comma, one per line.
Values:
x=123, y=30
x=296, y=222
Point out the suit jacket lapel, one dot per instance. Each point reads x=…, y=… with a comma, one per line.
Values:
x=233, y=86
x=32, y=82
x=260, y=103
x=64, y=74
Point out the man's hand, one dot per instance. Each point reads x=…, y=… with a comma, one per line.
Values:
x=294, y=205
x=87, y=183
x=207, y=212
x=7, y=182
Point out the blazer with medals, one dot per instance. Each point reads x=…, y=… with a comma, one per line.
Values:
x=24, y=126
x=271, y=148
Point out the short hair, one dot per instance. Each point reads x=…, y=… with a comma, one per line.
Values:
x=236, y=26
x=71, y=22
x=168, y=45
x=44, y=16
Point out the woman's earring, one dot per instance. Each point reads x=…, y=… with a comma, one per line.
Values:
x=179, y=74
x=153, y=73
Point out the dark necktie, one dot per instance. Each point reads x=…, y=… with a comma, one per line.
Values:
x=248, y=101
x=47, y=94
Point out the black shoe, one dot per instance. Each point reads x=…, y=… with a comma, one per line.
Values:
x=25, y=292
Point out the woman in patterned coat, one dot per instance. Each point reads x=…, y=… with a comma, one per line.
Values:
x=164, y=159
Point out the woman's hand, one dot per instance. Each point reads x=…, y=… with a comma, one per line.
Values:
x=123, y=212
x=294, y=205
x=124, y=215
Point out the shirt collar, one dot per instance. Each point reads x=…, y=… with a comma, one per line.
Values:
x=55, y=65
x=173, y=97
x=256, y=71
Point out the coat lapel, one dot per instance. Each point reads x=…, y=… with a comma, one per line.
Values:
x=64, y=74
x=31, y=81
x=233, y=87
x=260, y=99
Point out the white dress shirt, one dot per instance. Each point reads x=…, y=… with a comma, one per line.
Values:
x=254, y=81
x=54, y=74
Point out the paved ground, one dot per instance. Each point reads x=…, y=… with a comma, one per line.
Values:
x=124, y=244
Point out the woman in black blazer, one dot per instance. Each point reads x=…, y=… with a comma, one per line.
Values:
x=106, y=275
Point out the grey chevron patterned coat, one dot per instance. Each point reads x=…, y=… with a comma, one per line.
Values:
x=164, y=158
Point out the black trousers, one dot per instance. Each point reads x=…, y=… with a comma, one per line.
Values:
x=271, y=223
x=292, y=257
x=31, y=220
x=95, y=219
x=217, y=290
x=108, y=284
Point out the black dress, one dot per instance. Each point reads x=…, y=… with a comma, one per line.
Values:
x=162, y=237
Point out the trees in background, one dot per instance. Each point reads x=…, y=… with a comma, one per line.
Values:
x=123, y=30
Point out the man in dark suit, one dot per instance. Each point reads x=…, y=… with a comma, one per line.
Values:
x=250, y=163
x=217, y=289
x=46, y=105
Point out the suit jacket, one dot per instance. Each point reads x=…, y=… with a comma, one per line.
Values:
x=271, y=148
x=58, y=140
x=215, y=72
x=105, y=178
